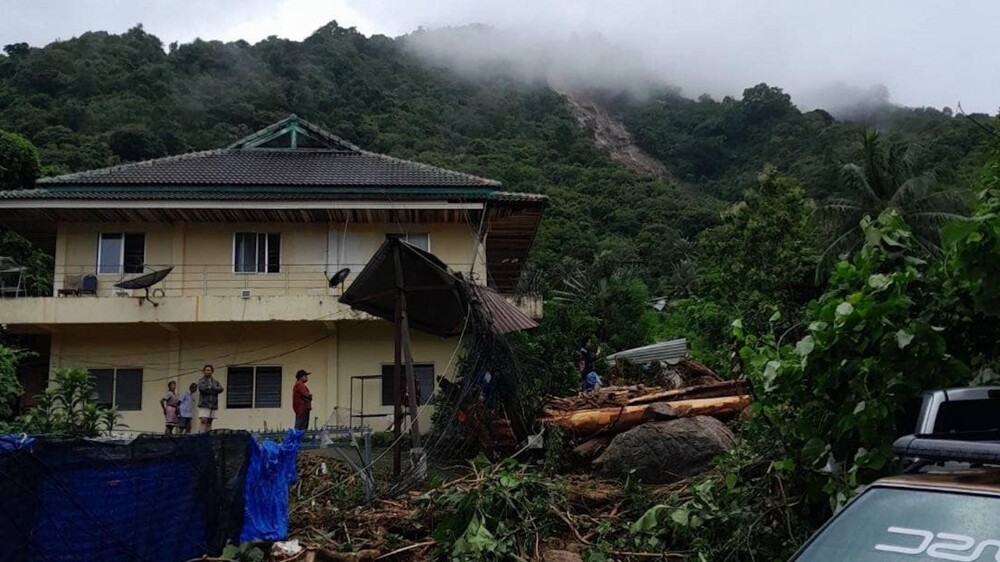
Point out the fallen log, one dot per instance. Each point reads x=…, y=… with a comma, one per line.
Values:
x=606, y=396
x=726, y=388
x=614, y=420
x=691, y=370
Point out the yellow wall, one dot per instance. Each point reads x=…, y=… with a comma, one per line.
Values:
x=202, y=254
x=332, y=352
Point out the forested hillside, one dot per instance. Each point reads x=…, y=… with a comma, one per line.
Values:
x=100, y=99
x=830, y=263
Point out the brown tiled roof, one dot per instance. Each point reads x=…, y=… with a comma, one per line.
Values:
x=262, y=166
x=291, y=152
x=275, y=193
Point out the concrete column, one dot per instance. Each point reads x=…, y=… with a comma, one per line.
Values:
x=177, y=258
x=59, y=260
x=55, y=352
x=333, y=377
x=174, y=355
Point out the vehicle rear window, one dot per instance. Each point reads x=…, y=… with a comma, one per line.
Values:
x=890, y=525
x=968, y=415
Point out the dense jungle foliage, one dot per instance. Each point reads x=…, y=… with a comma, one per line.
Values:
x=826, y=260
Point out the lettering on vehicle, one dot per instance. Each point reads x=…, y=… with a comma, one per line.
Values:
x=940, y=546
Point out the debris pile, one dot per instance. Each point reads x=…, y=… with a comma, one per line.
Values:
x=530, y=513
x=606, y=423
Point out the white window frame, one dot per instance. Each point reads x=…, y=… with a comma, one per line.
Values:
x=114, y=385
x=253, y=386
x=267, y=242
x=406, y=237
x=121, y=251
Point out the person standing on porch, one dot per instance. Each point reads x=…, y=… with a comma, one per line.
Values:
x=209, y=390
x=186, y=409
x=169, y=404
x=301, y=400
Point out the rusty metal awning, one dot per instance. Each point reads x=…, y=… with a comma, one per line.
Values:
x=438, y=300
x=503, y=316
x=435, y=301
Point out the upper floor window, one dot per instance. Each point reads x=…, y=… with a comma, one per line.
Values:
x=120, y=388
x=121, y=252
x=421, y=240
x=256, y=252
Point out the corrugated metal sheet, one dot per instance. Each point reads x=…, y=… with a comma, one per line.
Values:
x=670, y=351
x=503, y=316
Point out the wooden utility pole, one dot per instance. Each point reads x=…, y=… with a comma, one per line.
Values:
x=397, y=391
x=402, y=329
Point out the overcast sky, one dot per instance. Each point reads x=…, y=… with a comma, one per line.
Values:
x=925, y=52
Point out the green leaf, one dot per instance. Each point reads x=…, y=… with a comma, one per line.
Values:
x=879, y=281
x=775, y=317
x=649, y=520
x=681, y=516
x=903, y=338
x=770, y=374
x=805, y=346
x=859, y=407
x=955, y=232
x=731, y=481
x=845, y=309
x=475, y=540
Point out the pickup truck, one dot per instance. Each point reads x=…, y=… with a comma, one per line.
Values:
x=946, y=505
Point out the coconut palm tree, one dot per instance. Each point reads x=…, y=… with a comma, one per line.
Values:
x=885, y=179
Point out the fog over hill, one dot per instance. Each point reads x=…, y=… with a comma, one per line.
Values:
x=926, y=53
x=592, y=62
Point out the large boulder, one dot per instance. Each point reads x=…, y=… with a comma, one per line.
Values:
x=666, y=451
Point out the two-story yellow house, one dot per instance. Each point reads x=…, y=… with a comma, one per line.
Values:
x=254, y=233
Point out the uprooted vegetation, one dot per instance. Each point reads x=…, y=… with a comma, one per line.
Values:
x=495, y=511
x=544, y=507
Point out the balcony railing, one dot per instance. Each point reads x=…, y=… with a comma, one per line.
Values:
x=220, y=280
x=200, y=293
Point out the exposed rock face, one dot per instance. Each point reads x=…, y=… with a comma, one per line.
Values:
x=667, y=451
x=610, y=134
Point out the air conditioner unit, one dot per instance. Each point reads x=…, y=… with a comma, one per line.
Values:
x=245, y=294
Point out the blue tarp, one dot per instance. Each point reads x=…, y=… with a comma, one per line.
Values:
x=154, y=499
x=270, y=473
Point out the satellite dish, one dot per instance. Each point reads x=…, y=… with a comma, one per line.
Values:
x=339, y=277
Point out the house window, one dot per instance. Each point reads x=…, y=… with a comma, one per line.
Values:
x=121, y=252
x=421, y=240
x=253, y=387
x=119, y=388
x=424, y=373
x=256, y=252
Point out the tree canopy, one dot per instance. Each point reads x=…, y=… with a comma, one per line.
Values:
x=19, y=167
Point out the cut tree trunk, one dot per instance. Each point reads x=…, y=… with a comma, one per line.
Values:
x=614, y=420
x=727, y=388
x=691, y=370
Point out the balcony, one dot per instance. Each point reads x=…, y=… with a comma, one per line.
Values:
x=200, y=293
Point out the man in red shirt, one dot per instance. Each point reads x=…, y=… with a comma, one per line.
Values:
x=301, y=400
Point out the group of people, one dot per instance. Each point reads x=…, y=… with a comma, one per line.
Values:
x=178, y=411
